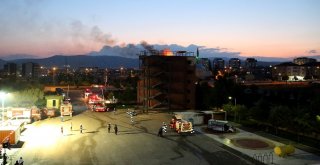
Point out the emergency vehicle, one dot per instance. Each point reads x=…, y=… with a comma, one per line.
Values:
x=180, y=125
x=66, y=109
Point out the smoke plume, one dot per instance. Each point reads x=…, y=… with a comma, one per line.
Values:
x=147, y=46
x=101, y=37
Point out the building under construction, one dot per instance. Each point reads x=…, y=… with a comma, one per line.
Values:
x=167, y=80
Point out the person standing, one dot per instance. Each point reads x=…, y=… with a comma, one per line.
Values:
x=61, y=130
x=116, y=129
x=109, y=127
x=5, y=157
x=81, y=127
x=9, y=144
x=160, y=132
x=20, y=161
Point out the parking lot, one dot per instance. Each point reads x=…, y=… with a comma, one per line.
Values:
x=43, y=142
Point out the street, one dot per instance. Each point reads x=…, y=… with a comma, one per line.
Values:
x=44, y=143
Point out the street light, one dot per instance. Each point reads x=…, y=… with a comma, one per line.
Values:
x=235, y=104
x=53, y=76
x=235, y=100
x=2, y=96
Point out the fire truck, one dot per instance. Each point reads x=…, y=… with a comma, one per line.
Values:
x=180, y=125
x=94, y=98
x=66, y=109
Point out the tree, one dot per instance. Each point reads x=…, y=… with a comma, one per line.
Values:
x=302, y=125
x=279, y=116
x=243, y=112
x=260, y=110
x=228, y=108
x=27, y=97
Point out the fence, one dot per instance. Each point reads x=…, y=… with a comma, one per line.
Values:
x=266, y=158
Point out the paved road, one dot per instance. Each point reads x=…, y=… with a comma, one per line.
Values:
x=135, y=144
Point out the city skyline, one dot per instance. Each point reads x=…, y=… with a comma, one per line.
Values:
x=43, y=28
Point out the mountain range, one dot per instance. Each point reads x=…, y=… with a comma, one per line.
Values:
x=77, y=61
x=127, y=56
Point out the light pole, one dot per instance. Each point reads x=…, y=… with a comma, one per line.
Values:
x=53, y=75
x=235, y=104
x=235, y=100
x=2, y=96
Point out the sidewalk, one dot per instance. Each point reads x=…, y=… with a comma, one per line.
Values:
x=259, y=147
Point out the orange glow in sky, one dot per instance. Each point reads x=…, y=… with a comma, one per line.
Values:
x=269, y=28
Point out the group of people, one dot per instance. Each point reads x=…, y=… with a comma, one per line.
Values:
x=115, y=128
x=19, y=162
x=81, y=128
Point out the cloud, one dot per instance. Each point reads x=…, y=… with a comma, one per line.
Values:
x=312, y=51
x=26, y=29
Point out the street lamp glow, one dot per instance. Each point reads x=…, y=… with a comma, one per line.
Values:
x=235, y=100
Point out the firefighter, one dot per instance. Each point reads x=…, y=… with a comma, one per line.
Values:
x=164, y=127
x=116, y=129
x=5, y=157
x=20, y=161
x=131, y=117
x=109, y=127
x=61, y=130
x=172, y=123
x=160, y=132
x=8, y=143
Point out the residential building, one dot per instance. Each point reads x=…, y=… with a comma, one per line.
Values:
x=250, y=63
x=10, y=69
x=234, y=63
x=289, y=71
x=218, y=64
x=303, y=60
x=30, y=70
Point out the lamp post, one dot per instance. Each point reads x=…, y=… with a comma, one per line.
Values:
x=235, y=104
x=53, y=75
x=2, y=96
x=235, y=100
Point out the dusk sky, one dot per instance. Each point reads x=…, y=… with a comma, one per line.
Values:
x=273, y=28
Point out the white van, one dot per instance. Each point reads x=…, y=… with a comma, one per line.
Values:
x=220, y=125
x=20, y=119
